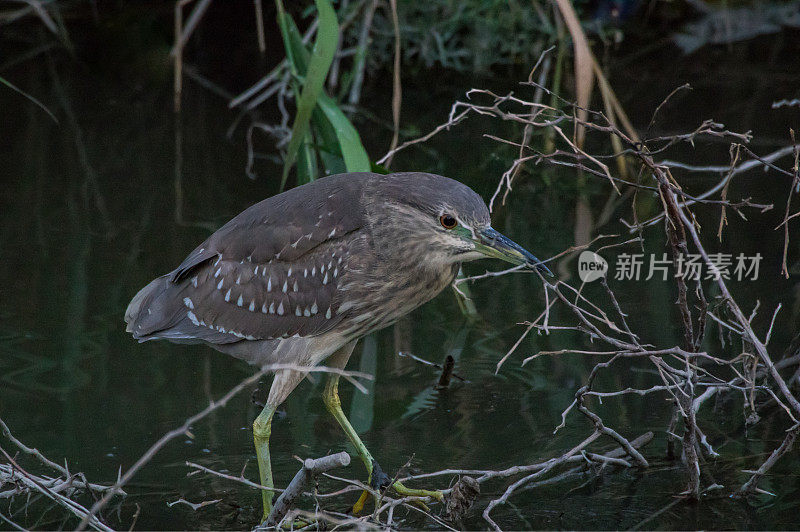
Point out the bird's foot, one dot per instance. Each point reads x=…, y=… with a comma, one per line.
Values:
x=421, y=494
x=379, y=481
x=411, y=492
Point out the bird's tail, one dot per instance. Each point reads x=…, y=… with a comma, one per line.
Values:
x=146, y=311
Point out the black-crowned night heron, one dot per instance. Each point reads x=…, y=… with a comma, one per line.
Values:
x=298, y=278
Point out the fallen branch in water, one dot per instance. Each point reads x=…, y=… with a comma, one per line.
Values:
x=751, y=486
x=485, y=475
x=61, y=489
x=26, y=482
x=295, y=488
x=576, y=454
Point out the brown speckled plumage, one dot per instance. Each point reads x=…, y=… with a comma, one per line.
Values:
x=334, y=257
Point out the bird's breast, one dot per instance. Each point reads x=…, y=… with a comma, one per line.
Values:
x=382, y=299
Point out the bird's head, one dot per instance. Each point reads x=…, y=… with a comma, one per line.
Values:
x=433, y=219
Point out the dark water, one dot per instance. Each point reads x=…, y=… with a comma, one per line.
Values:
x=121, y=190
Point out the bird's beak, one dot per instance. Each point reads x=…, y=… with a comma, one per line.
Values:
x=494, y=244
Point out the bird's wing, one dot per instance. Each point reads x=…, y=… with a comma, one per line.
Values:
x=273, y=271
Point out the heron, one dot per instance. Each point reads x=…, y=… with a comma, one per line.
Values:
x=298, y=278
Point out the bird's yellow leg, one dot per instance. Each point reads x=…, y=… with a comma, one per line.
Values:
x=411, y=492
x=334, y=404
x=262, y=427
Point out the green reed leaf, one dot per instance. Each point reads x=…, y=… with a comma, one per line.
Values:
x=318, y=65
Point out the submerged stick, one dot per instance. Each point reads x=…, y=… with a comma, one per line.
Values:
x=310, y=468
x=447, y=372
x=751, y=485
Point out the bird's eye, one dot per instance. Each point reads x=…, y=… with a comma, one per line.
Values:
x=448, y=221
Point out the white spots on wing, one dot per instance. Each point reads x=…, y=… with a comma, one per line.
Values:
x=280, y=309
x=219, y=258
x=332, y=233
x=217, y=273
x=228, y=295
x=325, y=280
x=264, y=308
x=314, y=308
x=239, y=279
x=339, y=260
x=297, y=311
x=201, y=250
x=255, y=271
x=285, y=286
x=336, y=272
x=289, y=273
x=192, y=318
x=269, y=284
x=219, y=284
x=252, y=307
x=306, y=312
x=330, y=265
x=294, y=288
x=328, y=313
x=297, y=242
x=305, y=272
x=313, y=271
x=194, y=281
x=271, y=307
x=239, y=301
x=232, y=332
x=322, y=269
x=188, y=302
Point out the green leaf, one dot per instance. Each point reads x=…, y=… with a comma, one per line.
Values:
x=296, y=53
x=332, y=122
x=321, y=58
x=327, y=143
x=307, y=170
x=353, y=152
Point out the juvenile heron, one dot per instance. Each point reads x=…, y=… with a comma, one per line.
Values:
x=299, y=277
